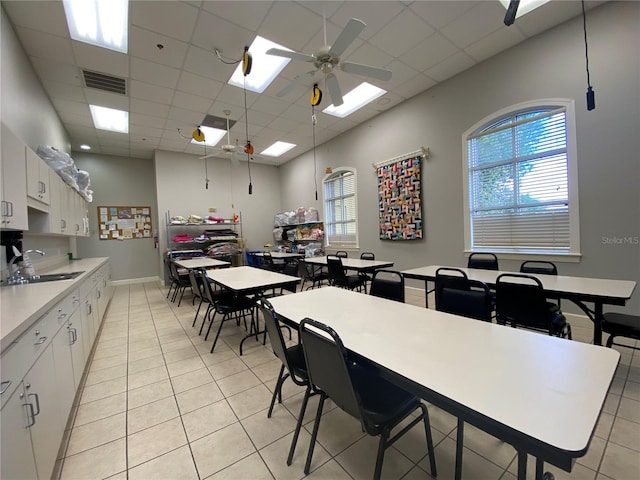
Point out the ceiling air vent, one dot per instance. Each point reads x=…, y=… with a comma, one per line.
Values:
x=107, y=83
x=217, y=122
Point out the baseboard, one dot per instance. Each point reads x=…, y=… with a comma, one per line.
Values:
x=132, y=281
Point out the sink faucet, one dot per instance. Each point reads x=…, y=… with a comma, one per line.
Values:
x=15, y=276
x=27, y=262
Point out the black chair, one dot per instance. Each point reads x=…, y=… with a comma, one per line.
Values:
x=293, y=366
x=621, y=325
x=379, y=405
x=308, y=273
x=540, y=267
x=274, y=265
x=521, y=301
x=342, y=254
x=367, y=256
x=388, y=284
x=483, y=260
x=339, y=278
x=456, y=294
x=180, y=280
x=196, y=287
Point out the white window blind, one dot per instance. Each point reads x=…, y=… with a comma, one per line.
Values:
x=340, y=209
x=519, y=183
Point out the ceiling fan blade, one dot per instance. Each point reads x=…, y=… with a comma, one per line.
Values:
x=366, y=70
x=303, y=57
x=299, y=80
x=347, y=36
x=334, y=90
x=208, y=156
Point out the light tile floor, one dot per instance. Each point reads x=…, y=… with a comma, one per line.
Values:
x=157, y=405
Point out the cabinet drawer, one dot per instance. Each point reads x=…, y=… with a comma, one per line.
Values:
x=88, y=286
x=66, y=307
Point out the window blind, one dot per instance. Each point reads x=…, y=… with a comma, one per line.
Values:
x=340, y=209
x=518, y=183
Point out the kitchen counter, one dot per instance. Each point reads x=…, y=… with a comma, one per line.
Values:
x=22, y=305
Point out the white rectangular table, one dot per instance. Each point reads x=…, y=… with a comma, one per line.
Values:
x=201, y=262
x=541, y=394
x=281, y=255
x=251, y=281
x=578, y=290
x=352, y=263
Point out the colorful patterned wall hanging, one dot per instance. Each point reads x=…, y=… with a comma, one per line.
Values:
x=399, y=199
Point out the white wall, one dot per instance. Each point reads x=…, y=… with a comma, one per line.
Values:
x=547, y=66
x=180, y=183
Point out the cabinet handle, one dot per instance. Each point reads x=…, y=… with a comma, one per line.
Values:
x=5, y=385
x=89, y=308
x=32, y=416
x=62, y=315
x=10, y=214
x=99, y=293
x=37, y=398
x=44, y=187
x=4, y=208
x=41, y=341
x=74, y=335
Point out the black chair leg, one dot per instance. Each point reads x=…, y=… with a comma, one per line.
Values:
x=314, y=434
x=380, y=457
x=276, y=390
x=195, y=319
x=296, y=433
x=430, y=448
x=215, y=340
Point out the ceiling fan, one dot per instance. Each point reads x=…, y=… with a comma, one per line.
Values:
x=327, y=58
x=234, y=152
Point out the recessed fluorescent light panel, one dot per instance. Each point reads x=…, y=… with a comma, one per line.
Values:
x=110, y=119
x=102, y=23
x=264, y=68
x=525, y=6
x=357, y=98
x=84, y=146
x=211, y=136
x=277, y=149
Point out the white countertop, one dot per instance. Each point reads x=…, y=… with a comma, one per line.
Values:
x=22, y=305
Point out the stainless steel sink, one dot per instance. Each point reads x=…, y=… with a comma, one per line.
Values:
x=47, y=277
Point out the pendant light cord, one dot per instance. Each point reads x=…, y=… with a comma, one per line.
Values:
x=246, y=128
x=315, y=169
x=586, y=45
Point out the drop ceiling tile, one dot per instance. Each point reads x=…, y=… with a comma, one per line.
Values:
x=101, y=60
x=206, y=64
x=64, y=91
x=145, y=107
x=52, y=71
x=431, y=51
x=191, y=102
x=67, y=106
x=494, y=43
x=375, y=14
x=212, y=32
x=50, y=16
x=417, y=84
x=279, y=27
x=451, y=66
x=174, y=19
x=139, y=119
x=370, y=55
x=401, y=33
x=145, y=131
x=44, y=45
x=474, y=24
x=154, y=73
x=440, y=14
x=184, y=115
x=401, y=73
x=197, y=85
x=106, y=99
x=236, y=12
x=235, y=96
x=270, y=105
x=76, y=119
x=153, y=93
x=145, y=44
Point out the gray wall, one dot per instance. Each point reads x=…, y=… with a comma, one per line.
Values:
x=551, y=65
x=120, y=181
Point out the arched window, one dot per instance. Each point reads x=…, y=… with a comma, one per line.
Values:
x=340, y=208
x=521, y=191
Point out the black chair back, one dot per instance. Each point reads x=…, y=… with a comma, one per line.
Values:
x=342, y=254
x=388, y=284
x=335, y=270
x=483, y=260
x=196, y=287
x=539, y=266
x=520, y=300
x=456, y=294
x=326, y=360
x=275, y=333
x=367, y=256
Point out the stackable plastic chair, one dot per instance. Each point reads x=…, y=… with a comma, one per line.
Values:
x=456, y=294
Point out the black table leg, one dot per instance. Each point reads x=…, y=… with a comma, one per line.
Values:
x=597, y=324
x=522, y=465
x=459, y=447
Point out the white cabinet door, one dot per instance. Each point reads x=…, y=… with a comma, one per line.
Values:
x=47, y=428
x=77, y=333
x=90, y=324
x=38, y=188
x=63, y=363
x=15, y=444
x=14, y=182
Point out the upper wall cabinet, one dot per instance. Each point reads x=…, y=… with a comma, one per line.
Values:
x=38, y=185
x=13, y=183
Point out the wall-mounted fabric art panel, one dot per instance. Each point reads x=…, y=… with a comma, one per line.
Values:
x=399, y=199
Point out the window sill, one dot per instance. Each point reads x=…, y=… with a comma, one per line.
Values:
x=551, y=257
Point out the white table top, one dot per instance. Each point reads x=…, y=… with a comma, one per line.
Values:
x=283, y=255
x=583, y=286
x=352, y=263
x=244, y=279
x=201, y=262
x=546, y=387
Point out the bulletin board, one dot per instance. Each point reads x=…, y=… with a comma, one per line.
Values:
x=124, y=223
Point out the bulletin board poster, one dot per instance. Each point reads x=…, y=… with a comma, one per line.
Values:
x=124, y=223
x=399, y=200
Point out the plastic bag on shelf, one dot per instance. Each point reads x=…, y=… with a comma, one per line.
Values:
x=311, y=215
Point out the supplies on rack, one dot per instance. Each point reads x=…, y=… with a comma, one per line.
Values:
x=224, y=249
x=313, y=250
x=300, y=215
x=194, y=219
x=61, y=163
